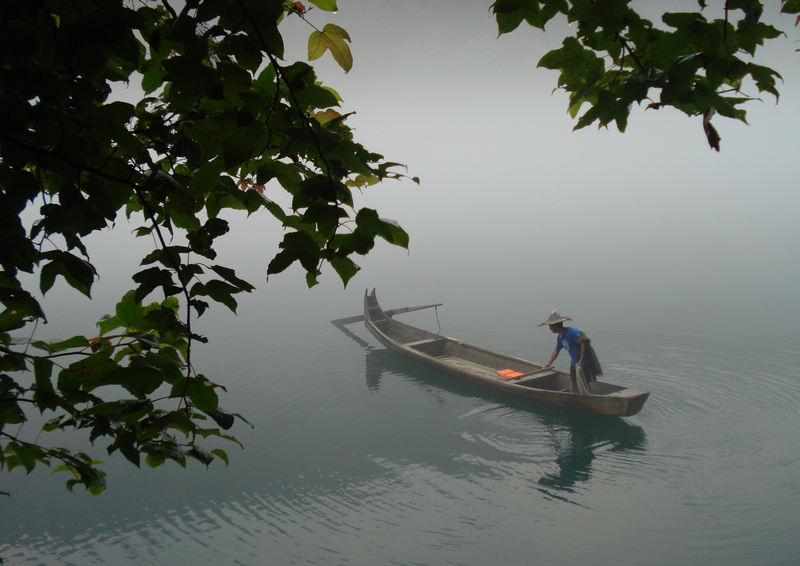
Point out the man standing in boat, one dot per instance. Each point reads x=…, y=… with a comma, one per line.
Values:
x=580, y=350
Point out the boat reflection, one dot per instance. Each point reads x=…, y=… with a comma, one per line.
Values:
x=576, y=439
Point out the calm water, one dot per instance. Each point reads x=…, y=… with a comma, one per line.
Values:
x=361, y=457
x=679, y=262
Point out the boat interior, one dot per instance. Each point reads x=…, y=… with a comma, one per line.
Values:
x=481, y=362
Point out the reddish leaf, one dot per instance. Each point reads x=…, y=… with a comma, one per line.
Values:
x=711, y=132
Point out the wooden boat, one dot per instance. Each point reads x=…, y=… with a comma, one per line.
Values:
x=481, y=366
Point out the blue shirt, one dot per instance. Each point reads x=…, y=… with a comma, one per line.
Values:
x=568, y=341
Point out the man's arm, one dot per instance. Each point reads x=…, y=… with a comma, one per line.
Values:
x=553, y=357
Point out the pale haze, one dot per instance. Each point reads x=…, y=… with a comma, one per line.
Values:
x=680, y=262
x=512, y=200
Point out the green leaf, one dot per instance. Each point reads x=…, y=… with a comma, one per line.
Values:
x=138, y=379
x=57, y=423
x=201, y=392
x=357, y=242
x=201, y=455
x=790, y=6
x=319, y=188
x=74, y=343
x=154, y=459
x=10, y=412
x=243, y=144
x=222, y=455
x=207, y=177
x=327, y=5
x=220, y=291
x=287, y=175
x=82, y=468
x=511, y=13
x=27, y=454
x=97, y=487
x=153, y=79
x=345, y=267
x=125, y=442
x=334, y=39
x=146, y=340
x=764, y=78
x=151, y=279
x=199, y=306
x=230, y=276
x=368, y=221
x=43, y=370
x=234, y=78
x=130, y=312
x=223, y=418
x=45, y=396
x=207, y=432
x=12, y=362
x=326, y=218
x=88, y=373
x=202, y=239
x=131, y=411
x=297, y=246
x=109, y=323
x=190, y=75
x=21, y=302
x=245, y=49
x=12, y=320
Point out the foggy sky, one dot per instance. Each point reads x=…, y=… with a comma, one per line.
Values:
x=512, y=200
x=513, y=204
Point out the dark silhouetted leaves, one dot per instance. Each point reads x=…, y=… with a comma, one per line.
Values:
x=617, y=58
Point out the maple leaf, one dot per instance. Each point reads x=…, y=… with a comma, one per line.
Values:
x=334, y=39
x=326, y=116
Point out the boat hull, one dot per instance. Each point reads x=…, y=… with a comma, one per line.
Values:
x=479, y=365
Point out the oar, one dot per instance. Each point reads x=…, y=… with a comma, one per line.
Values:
x=390, y=313
x=537, y=371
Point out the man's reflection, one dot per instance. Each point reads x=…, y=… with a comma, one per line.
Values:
x=575, y=438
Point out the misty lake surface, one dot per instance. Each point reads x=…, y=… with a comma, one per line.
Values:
x=358, y=456
x=679, y=262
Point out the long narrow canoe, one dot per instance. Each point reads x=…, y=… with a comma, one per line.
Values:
x=479, y=365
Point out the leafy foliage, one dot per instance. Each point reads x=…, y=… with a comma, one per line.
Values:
x=224, y=122
x=617, y=57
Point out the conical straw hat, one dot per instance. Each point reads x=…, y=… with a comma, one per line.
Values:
x=555, y=318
